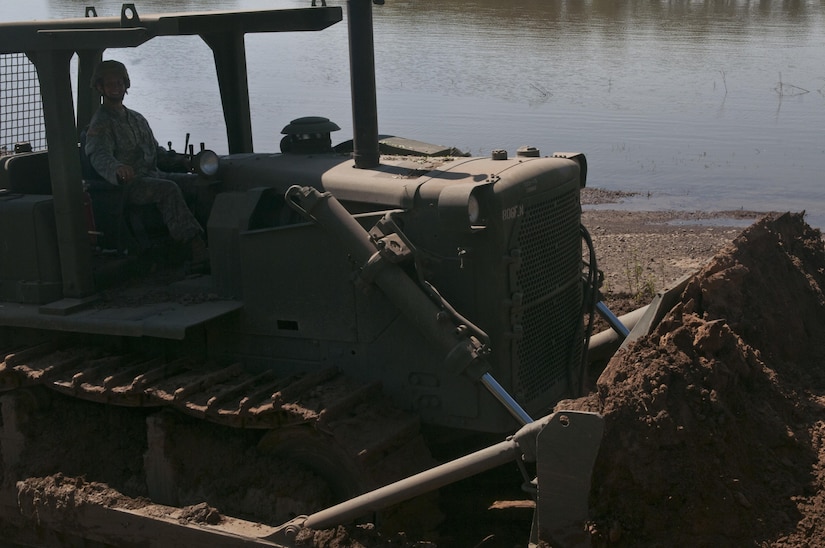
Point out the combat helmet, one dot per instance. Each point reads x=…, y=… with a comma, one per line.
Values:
x=110, y=66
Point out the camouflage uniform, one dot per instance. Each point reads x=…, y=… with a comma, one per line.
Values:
x=124, y=137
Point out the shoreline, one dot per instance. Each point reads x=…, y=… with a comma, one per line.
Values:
x=643, y=252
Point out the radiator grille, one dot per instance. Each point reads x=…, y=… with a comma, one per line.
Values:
x=549, y=278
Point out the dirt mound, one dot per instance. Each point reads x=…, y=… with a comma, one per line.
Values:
x=714, y=422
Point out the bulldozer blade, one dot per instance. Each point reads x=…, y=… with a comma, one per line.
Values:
x=564, y=446
x=639, y=322
x=566, y=450
x=70, y=511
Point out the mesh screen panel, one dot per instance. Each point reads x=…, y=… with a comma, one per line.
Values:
x=21, y=108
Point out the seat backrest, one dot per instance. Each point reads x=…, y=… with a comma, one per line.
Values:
x=26, y=173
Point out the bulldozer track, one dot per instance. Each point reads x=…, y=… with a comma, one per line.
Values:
x=227, y=395
x=353, y=416
x=358, y=432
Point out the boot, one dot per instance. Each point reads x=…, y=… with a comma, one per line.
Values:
x=199, y=263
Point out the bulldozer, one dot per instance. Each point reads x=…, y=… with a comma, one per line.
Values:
x=363, y=301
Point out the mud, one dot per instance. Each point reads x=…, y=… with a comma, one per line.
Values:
x=715, y=421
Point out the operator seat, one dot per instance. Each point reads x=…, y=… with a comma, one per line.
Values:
x=124, y=226
x=27, y=172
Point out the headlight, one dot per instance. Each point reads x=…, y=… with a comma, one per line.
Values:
x=460, y=209
x=473, y=209
x=207, y=163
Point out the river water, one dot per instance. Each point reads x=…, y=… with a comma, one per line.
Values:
x=693, y=104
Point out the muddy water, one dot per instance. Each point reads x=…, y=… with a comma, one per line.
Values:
x=709, y=105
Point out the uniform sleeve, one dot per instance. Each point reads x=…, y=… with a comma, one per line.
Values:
x=148, y=143
x=100, y=146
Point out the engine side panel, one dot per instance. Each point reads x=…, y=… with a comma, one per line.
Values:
x=517, y=277
x=29, y=259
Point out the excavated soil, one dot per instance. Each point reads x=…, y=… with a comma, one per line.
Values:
x=714, y=423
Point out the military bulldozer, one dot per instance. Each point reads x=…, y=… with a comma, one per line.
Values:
x=360, y=298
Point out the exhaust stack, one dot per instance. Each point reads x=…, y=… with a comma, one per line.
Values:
x=362, y=81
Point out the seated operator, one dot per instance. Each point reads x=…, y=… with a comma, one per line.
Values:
x=122, y=149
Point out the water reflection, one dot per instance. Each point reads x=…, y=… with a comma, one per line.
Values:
x=606, y=14
x=611, y=17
